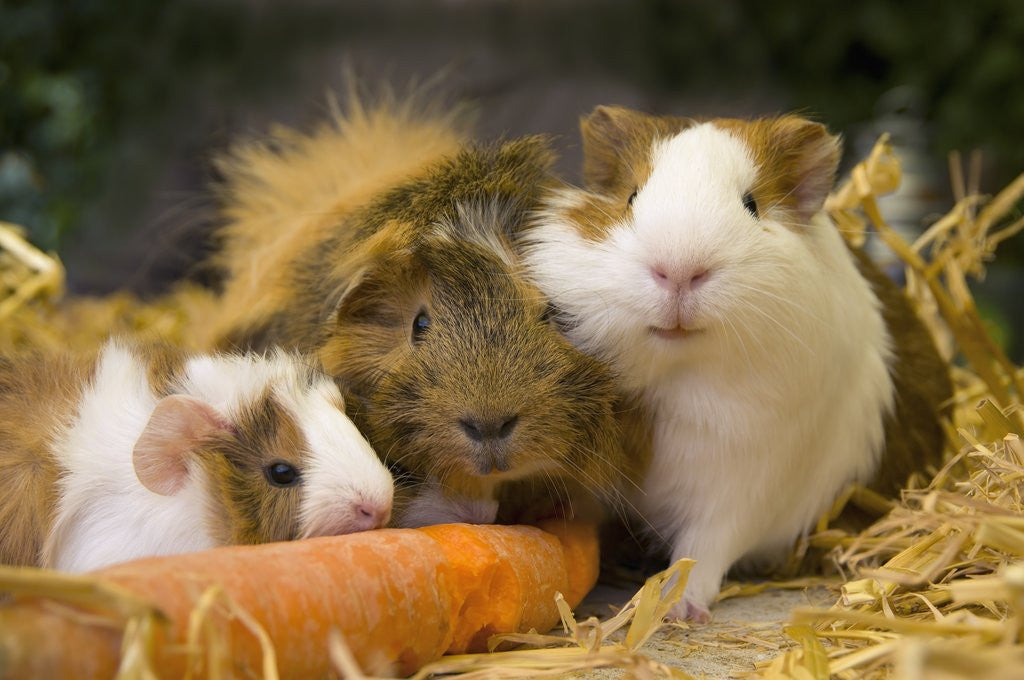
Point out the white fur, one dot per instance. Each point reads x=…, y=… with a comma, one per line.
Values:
x=776, y=400
x=105, y=515
x=344, y=477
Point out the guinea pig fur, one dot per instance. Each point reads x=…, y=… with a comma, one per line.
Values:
x=406, y=285
x=143, y=451
x=699, y=265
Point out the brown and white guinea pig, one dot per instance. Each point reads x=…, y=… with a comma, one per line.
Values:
x=399, y=273
x=778, y=365
x=143, y=450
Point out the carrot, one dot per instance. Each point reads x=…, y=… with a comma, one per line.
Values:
x=401, y=598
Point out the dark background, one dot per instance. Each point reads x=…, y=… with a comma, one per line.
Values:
x=111, y=111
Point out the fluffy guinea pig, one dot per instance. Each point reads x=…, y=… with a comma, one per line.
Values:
x=774, y=360
x=404, y=281
x=143, y=450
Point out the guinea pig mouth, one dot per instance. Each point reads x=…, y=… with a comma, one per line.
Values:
x=677, y=333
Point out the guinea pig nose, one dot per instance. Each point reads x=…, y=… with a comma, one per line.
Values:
x=371, y=516
x=698, y=277
x=679, y=280
x=662, y=278
x=481, y=429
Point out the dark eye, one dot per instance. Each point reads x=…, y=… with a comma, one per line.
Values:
x=549, y=313
x=749, y=203
x=282, y=474
x=420, y=325
x=632, y=197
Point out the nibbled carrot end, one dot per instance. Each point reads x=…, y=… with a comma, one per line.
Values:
x=514, y=573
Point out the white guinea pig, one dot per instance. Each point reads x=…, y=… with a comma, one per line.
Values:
x=144, y=451
x=701, y=267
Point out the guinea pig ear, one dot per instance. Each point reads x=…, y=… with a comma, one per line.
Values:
x=175, y=428
x=371, y=295
x=610, y=134
x=373, y=273
x=810, y=156
x=339, y=302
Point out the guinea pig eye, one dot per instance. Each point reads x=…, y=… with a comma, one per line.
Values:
x=420, y=325
x=282, y=474
x=549, y=313
x=749, y=203
x=632, y=197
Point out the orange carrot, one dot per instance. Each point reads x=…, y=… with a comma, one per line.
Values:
x=400, y=597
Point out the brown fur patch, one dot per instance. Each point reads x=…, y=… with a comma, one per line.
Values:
x=924, y=391
x=163, y=364
x=254, y=510
x=617, y=145
x=796, y=163
x=38, y=399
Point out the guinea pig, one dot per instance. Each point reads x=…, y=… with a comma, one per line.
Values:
x=778, y=365
x=407, y=287
x=144, y=450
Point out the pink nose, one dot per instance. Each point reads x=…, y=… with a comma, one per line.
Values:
x=371, y=516
x=678, y=279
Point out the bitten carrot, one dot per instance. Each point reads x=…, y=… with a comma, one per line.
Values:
x=400, y=597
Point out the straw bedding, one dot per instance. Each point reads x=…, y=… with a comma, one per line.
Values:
x=934, y=589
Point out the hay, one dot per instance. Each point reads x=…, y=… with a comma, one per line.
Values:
x=934, y=589
x=25, y=272
x=33, y=315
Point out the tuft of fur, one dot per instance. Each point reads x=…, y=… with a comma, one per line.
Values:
x=282, y=194
x=784, y=370
x=438, y=240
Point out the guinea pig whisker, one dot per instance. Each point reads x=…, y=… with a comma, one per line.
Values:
x=780, y=200
x=584, y=453
x=789, y=303
x=593, y=485
x=564, y=493
x=551, y=485
x=743, y=345
x=616, y=501
x=778, y=324
x=442, y=471
x=400, y=459
x=385, y=458
x=755, y=337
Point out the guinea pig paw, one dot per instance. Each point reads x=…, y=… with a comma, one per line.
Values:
x=477, y=511
x=690, y=611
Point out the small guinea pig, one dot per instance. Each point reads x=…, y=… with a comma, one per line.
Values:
x=143, y=451
x=413, y=298
x=778, y=365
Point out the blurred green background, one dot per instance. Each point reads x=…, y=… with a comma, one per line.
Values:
x=111, y=111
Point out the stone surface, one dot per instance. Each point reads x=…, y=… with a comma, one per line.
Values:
x=744, y=631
